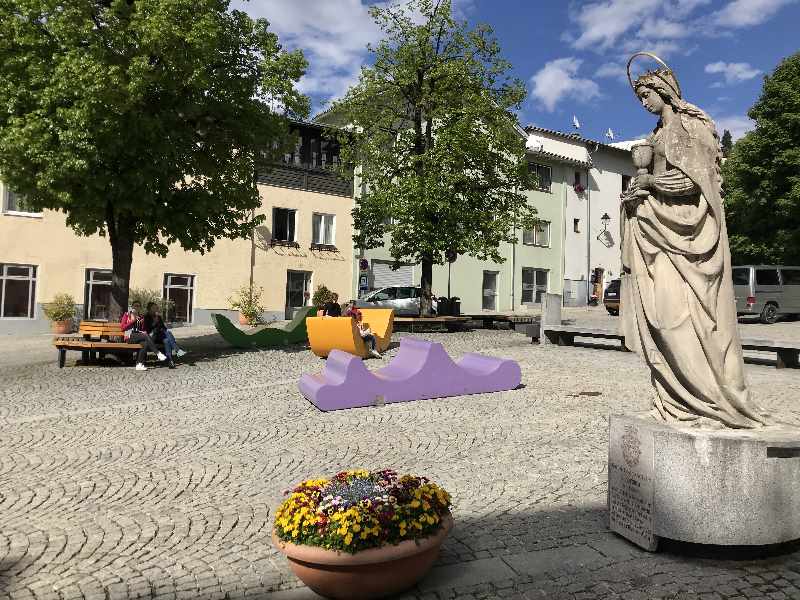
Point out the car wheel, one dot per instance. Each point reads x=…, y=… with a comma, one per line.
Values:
x=770, y=314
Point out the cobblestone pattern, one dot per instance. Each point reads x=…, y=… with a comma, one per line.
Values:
x=119, y=484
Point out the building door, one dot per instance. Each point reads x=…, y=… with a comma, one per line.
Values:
x=298, y=291
x=489, y=290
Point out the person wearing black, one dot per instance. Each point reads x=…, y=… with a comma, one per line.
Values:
x=133, y=330
x=332, y=308
x=157, y=329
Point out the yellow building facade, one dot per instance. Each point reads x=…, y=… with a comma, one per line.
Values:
x=305, y=241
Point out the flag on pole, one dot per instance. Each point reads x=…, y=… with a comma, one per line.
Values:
x=610, y=134
x=575, y=122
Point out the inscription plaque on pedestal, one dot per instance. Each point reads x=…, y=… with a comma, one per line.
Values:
x=630, y=482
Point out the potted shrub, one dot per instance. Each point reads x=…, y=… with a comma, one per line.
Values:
x=321, y=297
x=248, y=303
x=362, y=534
x=61, y=312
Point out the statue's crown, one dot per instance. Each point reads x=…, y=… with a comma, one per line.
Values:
x=665, y=75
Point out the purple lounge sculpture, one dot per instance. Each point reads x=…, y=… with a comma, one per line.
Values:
x=420, y=370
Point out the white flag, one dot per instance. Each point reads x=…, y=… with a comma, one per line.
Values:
x=610, y=134
x=575, y=122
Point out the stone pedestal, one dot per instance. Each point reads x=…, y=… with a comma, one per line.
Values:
x=551, y=314
x=708, y=486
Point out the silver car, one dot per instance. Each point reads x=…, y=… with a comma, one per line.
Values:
x=767, y=291
x=403, y=299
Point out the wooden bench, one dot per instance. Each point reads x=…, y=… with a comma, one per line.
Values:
x=94, y=337
x=788, y=353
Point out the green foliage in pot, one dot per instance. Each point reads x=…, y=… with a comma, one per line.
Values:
x=145, y=297
x=62, y=308
x=248, y=303
x=322, y=296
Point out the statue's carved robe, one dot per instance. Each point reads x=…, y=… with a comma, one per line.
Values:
x=678, y=308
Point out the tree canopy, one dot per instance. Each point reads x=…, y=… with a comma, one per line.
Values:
x=440, y=157
x=727, y=143
x=143, y=120
x=762, y=175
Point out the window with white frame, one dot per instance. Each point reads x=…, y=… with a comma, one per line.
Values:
x=323, y=229
x=534, y=285
x=544, y=176
x=538, y=236
x=17, y=291
x=283, y=224
x=179, y=292
x=15, y=204
x=97, y=294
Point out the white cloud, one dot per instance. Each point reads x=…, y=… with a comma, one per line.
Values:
x=612, y=70
x=663, y=29
x=747, y=13
x=603, y=23
x=558, y=79
x=733, y=72
x=737, y=125
x=333, y=35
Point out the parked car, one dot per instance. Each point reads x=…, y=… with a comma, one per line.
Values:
x=403, y=299
x=767, y=291
x=611, y=296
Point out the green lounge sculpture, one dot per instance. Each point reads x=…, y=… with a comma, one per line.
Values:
x=293, y=332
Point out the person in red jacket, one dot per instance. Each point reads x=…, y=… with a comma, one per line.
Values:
x=132, y=324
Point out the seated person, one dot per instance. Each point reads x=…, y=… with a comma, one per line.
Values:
x=352, y=311
x=157, y=329
x=133, y=330
x=332, y=308
x=364, y=331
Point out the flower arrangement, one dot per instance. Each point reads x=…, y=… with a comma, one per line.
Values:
x=579, y=189
x=360, y=509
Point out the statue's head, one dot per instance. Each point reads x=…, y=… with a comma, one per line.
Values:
x=656, y=89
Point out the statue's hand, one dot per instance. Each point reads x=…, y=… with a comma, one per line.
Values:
x=645, y=181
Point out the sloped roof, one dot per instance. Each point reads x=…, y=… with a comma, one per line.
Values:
x=558, y=158
x=572, y=136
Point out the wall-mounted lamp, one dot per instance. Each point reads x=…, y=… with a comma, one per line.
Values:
x=605, y=220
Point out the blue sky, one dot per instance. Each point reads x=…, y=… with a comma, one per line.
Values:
x=571, y=55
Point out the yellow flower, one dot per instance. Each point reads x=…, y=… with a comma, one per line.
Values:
x=348, y=539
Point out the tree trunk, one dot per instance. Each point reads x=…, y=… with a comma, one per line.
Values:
x=425, y=304
x=120, y=234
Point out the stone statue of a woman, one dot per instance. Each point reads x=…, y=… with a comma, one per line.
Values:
x=678, y=305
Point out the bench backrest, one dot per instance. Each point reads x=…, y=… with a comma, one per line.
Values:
x=97, y=329
x=340, y=333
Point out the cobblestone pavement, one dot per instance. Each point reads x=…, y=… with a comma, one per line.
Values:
x=120, y=484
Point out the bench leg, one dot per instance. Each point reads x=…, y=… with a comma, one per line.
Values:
x=84, y=356
x=62, y=358
x=92, y=356
x=787, y=359
x=552, y=336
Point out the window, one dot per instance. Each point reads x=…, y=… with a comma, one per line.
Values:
x=389, y=293
x=179, y=291
x=741, y=277
x=767, y=277
x=577, y=178
x=576, y=225
x=15, y=204
x=626, y=182
x=534, y=285
x=97, y=294
x=405, y=293
x=543, y=176
x=789, y=276
x=323, y=229
x=283, y=220
x=538, y=236
x=17, y=291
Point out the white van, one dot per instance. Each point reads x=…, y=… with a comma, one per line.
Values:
x=767, y=291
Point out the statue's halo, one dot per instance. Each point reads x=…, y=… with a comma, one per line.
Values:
x=659, y=61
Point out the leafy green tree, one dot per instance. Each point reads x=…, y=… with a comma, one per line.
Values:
x=726, y=143
x=439, y=154
x=762, y=175
x=142, y=120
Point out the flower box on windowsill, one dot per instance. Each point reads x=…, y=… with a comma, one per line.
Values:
x=283, y=243
x=324, y=247
x=579, y=189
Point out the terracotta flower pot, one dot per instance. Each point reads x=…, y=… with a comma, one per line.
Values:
x=243, y=320
x=62, y=327
x=372, y=573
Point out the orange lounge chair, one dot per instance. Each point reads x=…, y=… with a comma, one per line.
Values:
x=341, y=333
